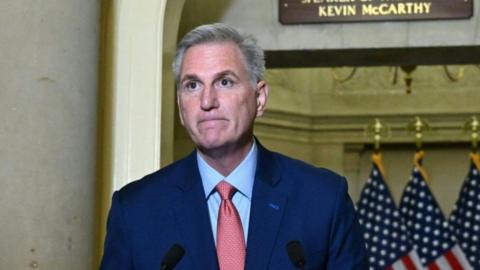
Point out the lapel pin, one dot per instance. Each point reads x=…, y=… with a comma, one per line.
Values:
x=274, y=206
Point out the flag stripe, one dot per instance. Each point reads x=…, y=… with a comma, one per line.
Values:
x=433, y=266
x=407, y=261
x=460, y=255
x=416, y=260
x=452, y=260
x=442, y=263
x=398, y=265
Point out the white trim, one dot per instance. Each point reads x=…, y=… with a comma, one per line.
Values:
x=137, y=77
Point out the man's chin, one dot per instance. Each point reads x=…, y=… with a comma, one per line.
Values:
x=220, y=146
x=215, y=146
x=211, y=145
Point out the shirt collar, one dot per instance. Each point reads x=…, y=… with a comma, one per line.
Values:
x=242, y=177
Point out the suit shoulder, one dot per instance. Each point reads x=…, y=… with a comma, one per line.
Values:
x=299, y=166
x=162, y=180
x=302, y=178
x=319, y=188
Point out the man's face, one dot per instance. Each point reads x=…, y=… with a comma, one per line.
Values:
x=217, y=103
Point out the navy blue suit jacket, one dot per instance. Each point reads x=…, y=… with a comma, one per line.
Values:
x=291, y=200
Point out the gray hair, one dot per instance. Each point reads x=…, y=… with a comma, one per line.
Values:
x=219, y=32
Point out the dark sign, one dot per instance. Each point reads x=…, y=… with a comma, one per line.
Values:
x=318, y=11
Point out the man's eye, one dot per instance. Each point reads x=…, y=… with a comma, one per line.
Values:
x=226, y=82
x=191, y=86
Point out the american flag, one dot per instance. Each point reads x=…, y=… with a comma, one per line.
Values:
x=388, y=245
x=430, y=232
x=465, y=218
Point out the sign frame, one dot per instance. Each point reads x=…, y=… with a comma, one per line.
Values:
x=330, y=11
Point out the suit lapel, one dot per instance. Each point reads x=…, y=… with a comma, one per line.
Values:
x=268, y=203
x=192, y=217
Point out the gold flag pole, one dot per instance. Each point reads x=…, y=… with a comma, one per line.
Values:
x=473, y=126
x=377, y=128
x=419, y=126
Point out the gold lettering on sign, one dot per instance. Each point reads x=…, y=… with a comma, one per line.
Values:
x=340, y=1
x=312, y=1
x=337, y=10
x=396, y=9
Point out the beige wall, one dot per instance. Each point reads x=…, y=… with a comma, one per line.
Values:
x=48, y=105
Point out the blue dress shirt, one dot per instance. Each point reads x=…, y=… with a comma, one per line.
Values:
x=241, y=178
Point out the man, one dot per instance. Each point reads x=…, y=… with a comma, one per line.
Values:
x=231, y=204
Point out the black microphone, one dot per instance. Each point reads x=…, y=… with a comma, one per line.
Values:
x=172, y=257
x=295, y=253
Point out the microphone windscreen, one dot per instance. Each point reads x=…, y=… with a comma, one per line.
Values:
x=173, y=256
x=295, y=253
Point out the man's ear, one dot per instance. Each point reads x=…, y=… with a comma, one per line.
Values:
x=179, y=107
x=262, y=96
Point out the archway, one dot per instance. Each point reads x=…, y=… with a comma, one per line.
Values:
x=135, y=93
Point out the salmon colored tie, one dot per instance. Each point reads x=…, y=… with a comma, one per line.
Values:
x=230, y=243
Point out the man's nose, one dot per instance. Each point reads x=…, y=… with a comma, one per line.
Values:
x=209, y=98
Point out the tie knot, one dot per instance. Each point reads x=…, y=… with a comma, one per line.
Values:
x=225, y=190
